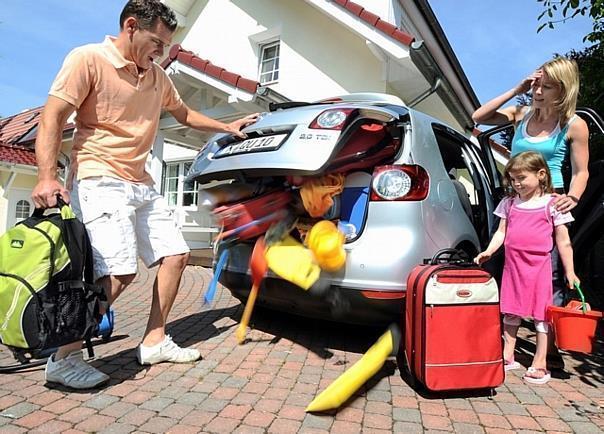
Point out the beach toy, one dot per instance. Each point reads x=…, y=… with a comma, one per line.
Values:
x=354, y=377
x=211, y=292
x=258, y=267
x=575, y=324
x=291, y=261
x=327, y=245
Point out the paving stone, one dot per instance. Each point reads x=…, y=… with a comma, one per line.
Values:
x=407, y=427
x=312, y=421
x=95, y=423
x=379, y=395
x=212, y=405
x=430, y=421
x=34, y=419
x=19, y=410
x=585, y=427
x=406, y=415
x=221, y=425
x=156, y=404
x=529, y=398
x=51, y=427
x=192, y=398
x=467, y=428
x=100, y=402
x=512, y=408
x=118, y=409
x=570, y=414
x=118, y=428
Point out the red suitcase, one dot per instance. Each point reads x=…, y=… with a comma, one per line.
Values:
x=452, y=328
x=252, y=218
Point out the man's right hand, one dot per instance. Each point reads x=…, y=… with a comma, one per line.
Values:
x=45, y=193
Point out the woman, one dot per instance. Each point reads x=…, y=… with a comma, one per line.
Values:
x=549, y=126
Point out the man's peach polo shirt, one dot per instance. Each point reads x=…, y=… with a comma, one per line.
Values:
x=117, y=110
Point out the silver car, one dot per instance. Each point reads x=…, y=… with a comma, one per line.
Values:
x=412, y=186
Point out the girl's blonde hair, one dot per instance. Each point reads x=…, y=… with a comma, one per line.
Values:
x=565, y=73
x=529, y=161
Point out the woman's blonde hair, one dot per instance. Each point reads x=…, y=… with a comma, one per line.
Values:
x=565, y=73
x=529, y=161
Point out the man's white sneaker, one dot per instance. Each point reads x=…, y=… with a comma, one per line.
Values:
x=166, y=351
x=72, y=371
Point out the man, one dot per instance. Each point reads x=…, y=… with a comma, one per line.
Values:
x=118, y=91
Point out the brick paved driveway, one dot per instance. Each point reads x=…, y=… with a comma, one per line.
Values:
x=265, y=384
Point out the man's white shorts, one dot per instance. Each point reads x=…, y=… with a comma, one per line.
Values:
x=125, y=220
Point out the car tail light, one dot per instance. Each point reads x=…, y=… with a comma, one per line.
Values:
x=405, y=182
x=332, y=119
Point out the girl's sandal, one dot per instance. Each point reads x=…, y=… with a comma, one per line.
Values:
x=509, y=365
x=537, y=375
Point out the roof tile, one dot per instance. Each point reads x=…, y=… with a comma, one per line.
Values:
x=247, y=85
x=213, y=70
x=369, y=17
x=355, y=8
x=17, y=155
x=202, y=65
x=14, y=128
x=373, y=20
x=229, y=77
x=402, y=37
x=199, y=63
x=385, y=27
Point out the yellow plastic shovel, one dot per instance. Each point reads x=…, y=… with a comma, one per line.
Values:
x=258, y=267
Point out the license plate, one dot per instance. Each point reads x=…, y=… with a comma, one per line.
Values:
x=257, y=144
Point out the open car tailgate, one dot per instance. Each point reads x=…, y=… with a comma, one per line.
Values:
x=284, y=142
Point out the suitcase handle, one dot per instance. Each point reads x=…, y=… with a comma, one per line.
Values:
x=449, y=256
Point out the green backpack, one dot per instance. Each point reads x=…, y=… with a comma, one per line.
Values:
x=47, y=295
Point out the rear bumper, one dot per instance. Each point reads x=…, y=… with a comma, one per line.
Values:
x=336, y=303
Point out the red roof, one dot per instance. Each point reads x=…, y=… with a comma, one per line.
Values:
x=15, y=127
x=17, y=155
x=207, y=67
x=375, y=21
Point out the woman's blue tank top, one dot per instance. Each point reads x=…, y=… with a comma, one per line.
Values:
x=554, y=146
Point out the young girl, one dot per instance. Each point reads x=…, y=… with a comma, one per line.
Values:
x=529, y=223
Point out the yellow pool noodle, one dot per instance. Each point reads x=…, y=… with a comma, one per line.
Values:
x=354, y=377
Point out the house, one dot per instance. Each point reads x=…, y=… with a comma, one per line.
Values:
x=235, y=57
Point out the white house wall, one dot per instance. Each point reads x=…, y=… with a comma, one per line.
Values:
x=22, y=182
x=308, y=70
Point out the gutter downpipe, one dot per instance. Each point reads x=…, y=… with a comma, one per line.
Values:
x=426, y=64
x=425, y=94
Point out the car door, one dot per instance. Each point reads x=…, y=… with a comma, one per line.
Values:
x=463, y=162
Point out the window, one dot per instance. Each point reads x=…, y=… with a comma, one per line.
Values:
x=189, y=188
x=22, y=210
x=176, y=191
x=269, y=63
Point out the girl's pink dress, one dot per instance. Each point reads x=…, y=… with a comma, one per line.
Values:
x=526, y=287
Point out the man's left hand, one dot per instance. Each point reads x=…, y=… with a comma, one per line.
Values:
x=236, y=126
